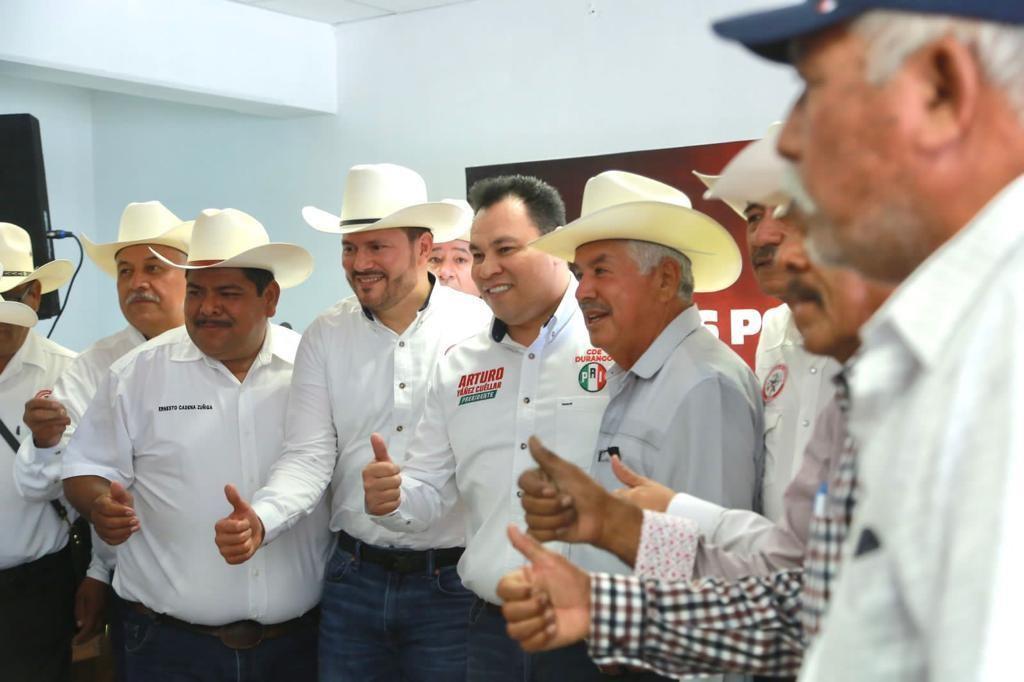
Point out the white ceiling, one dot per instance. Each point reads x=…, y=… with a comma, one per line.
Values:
x=342, y=11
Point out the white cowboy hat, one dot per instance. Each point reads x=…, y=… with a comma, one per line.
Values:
x=460, y=231
x=739, y=208
x=230, y=238
x=146, y=222
x=381, y=196
x=620, y=205
x=18, y=314
x=754, y=176
x=16, y=254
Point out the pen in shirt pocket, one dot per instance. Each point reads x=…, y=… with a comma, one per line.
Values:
x=821, y=499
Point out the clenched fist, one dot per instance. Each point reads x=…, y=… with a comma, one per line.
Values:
x=382, y=480
x=113, y=515
x=47, y=419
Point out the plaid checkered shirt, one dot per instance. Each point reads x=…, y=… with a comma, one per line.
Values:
x=758, y=624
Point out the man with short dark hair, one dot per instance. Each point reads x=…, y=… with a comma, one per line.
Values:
x=527, y=372
x=37, y=587
x=171, y=421
x=393, y=605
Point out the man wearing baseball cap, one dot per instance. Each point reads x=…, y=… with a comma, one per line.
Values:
x=909, y=141
x=37, y=587
x=171, y=422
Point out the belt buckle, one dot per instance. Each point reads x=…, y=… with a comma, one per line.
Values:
x=245, y=634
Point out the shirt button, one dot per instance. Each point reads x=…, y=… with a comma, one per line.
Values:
x=814, y=370
x=807, y=422
x=401, y=344
x=522, y=446
x=256, y=573
x=526, y=401
x=519, y=493
x=401, y=385
x=398, y=428
x=532, y=356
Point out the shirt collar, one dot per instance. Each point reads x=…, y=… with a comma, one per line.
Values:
x=658, y=353
x=954, y=278
x=368, y=314
x=187, y=351
x=567, y=308
x=30, y=353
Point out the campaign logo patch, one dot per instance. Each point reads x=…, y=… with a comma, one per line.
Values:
x=593, y=377
x=774, y=383
x=477, y=386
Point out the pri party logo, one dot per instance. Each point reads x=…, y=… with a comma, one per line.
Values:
x=593, y=377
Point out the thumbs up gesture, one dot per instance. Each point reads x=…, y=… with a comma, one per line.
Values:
x=240, y=533
x=113, y=515
x=640, y=490
x=382, y=480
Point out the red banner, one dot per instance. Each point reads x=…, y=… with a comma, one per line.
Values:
x=734, y=314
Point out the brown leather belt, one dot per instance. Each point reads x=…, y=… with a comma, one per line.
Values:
x=243, y=634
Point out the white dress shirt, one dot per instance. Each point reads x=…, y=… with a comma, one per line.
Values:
x=353, y=377
x=795, y=386
x=688, y=415
x=29, y=530
x=489, y=394
x=37, y=471
x=931, y=566
x=175, y=426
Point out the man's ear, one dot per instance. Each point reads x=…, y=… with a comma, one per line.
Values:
x=668, y=275
x=271, y=296
x=34, y=297
x=947, y=82
x=425, y=244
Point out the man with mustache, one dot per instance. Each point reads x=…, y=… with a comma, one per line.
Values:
x=795, y=385
x=393, y=604
x=151, y=296
x=451, y=260
x=37, y=587
x=171, y=420
x=531, y=371
x=742, y=623
x=909, y=137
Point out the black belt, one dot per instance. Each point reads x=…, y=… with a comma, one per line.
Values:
x=41, y=566
x=242, y=634
x=400, y=560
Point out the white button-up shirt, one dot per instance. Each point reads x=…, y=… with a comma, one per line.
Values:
x=930, y=586
x=796, y=386
x=353, y=377
x=488, y=396
x=688, y=415
x=29, y=530
x=175, y=426
x=37, y=471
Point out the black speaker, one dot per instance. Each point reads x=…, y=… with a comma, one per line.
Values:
x=23, y=199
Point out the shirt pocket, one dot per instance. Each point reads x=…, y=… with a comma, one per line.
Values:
x=577, y=426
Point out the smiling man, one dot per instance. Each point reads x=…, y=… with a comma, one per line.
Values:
x=170, y=422
x=393, y=605
x=531, y=371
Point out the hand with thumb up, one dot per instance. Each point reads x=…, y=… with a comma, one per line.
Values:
x=240, y=533
x=382, y=480
x=113, y=515
x=640, y=490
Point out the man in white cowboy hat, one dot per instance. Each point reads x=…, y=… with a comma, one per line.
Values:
x=393, y=605
x=532, y=370
x=151, y=296
x=451, y=261
x=36, y=576
x=174, y=419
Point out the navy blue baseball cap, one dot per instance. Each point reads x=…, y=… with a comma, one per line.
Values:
x=770, y=32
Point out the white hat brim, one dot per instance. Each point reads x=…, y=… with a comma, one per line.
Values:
x=712, y=251
x=105, y=255
x=291, y=264
x=18, y=314
x=51, y=276
x=709, y=181
x=755, y=175
x=444, y=220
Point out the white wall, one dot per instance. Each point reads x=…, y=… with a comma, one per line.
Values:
x=477, y=83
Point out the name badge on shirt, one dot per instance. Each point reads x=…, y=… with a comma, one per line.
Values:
x=477, y=386
x=181, y=407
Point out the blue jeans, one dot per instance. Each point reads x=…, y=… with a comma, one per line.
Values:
x=158, y=652
x=380, y=625
x=496, y=657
